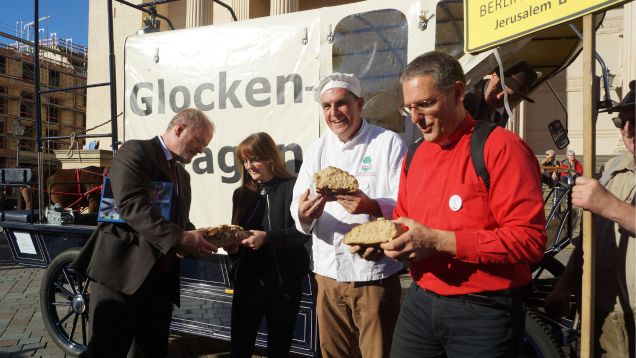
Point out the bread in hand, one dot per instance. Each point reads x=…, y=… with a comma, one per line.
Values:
x=332, y=180
x=226, y=235
x=373, y=232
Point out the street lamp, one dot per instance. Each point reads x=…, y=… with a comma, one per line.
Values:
x=18, y=132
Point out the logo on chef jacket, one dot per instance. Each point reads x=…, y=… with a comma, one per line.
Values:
x=365, y=167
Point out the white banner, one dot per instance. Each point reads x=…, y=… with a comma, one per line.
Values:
x=246, y=78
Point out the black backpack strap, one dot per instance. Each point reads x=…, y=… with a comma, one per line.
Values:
x=477, y=143
x=410, y=153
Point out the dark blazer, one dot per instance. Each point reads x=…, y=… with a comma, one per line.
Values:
x=476, y=105
x=120, y=256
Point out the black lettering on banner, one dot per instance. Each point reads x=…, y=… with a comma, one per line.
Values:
x=561, y=2
x=173, y=98
x=225, y=93
x=146, y=101
x=207, y=159
x=226, y=160
x=252, y=90
x=162, y=96
x=297, y=152
x=197, y=97
x=258, y=93
x=227, y=168
x=296, y=80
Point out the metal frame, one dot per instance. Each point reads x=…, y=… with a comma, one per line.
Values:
x=112, y=83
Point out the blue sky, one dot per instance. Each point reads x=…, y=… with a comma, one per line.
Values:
x=68, y=18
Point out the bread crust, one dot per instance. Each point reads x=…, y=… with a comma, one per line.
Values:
x=373, y=232
x=226, y=235
x=332, y=180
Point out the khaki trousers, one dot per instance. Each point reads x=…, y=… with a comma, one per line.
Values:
x=357, y=319
x=615, y=332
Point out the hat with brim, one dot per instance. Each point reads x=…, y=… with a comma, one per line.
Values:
x=626, y=103
x=520, y=79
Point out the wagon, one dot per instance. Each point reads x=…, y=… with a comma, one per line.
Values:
x=371, y=39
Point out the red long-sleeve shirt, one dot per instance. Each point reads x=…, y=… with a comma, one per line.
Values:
x=498, y=231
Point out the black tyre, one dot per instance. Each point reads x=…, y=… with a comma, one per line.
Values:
x=539, y=341
x=64, y=304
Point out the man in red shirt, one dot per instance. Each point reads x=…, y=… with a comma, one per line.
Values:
x=469, y=247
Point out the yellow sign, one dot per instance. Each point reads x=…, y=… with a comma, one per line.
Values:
x=488, y=23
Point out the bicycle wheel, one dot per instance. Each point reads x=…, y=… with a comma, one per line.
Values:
x=64, y=304
x=539, y=341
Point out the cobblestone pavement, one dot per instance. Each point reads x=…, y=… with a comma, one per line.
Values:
x=22, y=332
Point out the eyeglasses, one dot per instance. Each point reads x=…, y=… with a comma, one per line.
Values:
x=248, y=162
x=423, y=106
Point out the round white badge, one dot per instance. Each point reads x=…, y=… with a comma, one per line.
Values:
x=455, y=202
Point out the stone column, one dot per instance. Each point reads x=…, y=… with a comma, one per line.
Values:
x=241, y=9
x=629, y=45
x=198, y=13
x=278, y=7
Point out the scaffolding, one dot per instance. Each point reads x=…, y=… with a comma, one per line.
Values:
x=63, y=64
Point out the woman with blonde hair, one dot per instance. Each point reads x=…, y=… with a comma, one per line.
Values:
x=270, y=264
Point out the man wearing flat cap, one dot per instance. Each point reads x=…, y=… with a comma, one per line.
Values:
x=611, y=200
x=485, y=100
x=358, y=294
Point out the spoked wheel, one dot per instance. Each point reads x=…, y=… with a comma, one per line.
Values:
x=64, y=303
x=539, y=340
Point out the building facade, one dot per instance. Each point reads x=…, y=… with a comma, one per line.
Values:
x=615, y=43
x=62, y=113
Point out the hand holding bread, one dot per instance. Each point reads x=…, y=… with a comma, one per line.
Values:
x=226, y=235
x=332, y=180
x=365, y=239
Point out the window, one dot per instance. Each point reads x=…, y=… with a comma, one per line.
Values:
x=27, y=143
x=54, y=78
x=53, y=110
x=3, y=64
x=26, y=105
x=28, y=71
x=3, y=100
x=3, y=135
x=54, y=144
x=80, y=101
x=373, y=46
x=449, y=30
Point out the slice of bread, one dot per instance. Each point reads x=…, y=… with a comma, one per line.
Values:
x=226, y=235
x=332, y=180
x=373, y=232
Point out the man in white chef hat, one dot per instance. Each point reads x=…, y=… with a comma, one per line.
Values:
x=358, y=291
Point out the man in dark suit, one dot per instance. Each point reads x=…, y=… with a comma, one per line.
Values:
x=134, y=265
x=485, y=100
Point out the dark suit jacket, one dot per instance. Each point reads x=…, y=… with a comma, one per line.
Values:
x=476, y=105
x=120, y=256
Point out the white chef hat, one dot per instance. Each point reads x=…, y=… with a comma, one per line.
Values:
x=337, y=80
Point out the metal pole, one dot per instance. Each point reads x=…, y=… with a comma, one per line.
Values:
x=17, y=152
x=38, y=110
x=113, y=79
x=589, y=150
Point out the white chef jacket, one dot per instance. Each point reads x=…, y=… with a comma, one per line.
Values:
x=374, y=157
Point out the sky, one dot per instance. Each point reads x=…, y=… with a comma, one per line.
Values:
x=68, y=18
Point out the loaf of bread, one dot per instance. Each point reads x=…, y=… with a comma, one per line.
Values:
x=332, y=180
x=226, y=235
x=373, y=232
